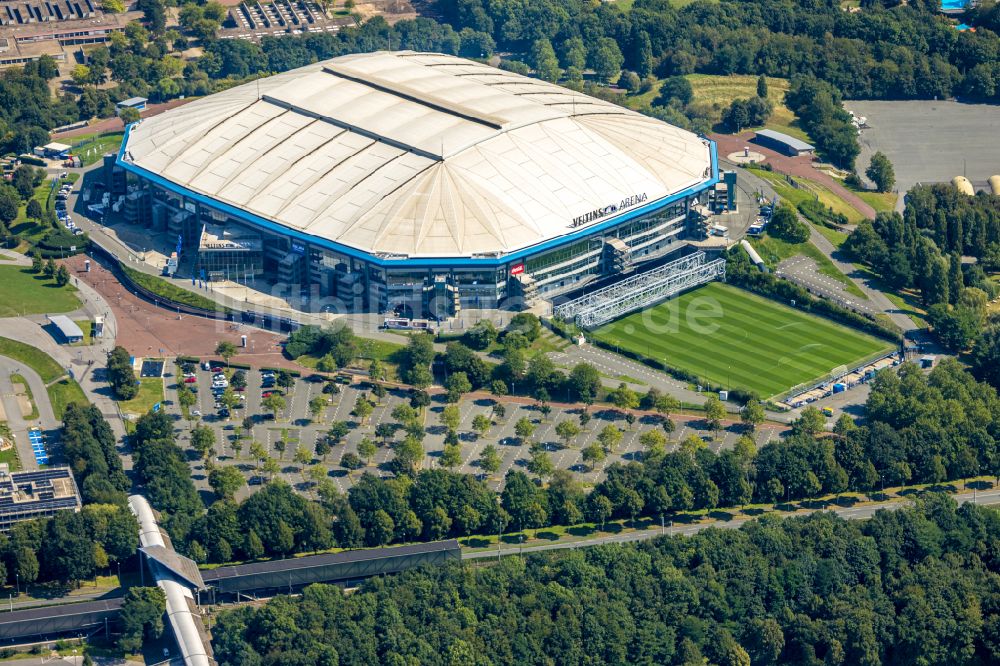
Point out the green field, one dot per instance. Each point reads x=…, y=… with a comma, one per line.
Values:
x=150, y=393
x=736, y=339
x=22, y=292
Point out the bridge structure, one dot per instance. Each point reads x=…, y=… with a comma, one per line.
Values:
x=176, y=575
x=641, y=290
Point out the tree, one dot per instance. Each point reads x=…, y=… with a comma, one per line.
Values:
x=985, y=356
x=481, y=424
x=450, y=417
x=524, y=429
x=120, y=374
x=366, y=449
x=624, y=398
x=752, y=414
x=129, y=115
x=543, y=59
x=381, y=530
x=226, y=350
x=762, y=86
x=881, y=173
x=34, y=209
x=600, y=509
x=271, y=466
x=50, y=268
x=226, y=481
x=675, y=89
x=458, y=384
x=489, y=459
x=203, y=441
x=186, y=398
x=541, y=465
x=36, y=261
x=80, y=75
x=316, y=407
x=274, y=403
x=303, y=456
x=593, y=454
x=609, y=438
x=338, y=431
x=363, y=408
x=585, y=382
x=451, y=457
x=810, y=422
x=141, y=617
x=654, y=441
x=567, y=431
x=481, y=336
x=238, y=380
x=284, y=379
x=786, y=226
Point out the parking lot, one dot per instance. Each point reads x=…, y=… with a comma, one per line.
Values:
x=931, y=141
x=296, y=427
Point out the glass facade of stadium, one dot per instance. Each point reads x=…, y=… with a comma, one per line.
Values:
x=350, y=280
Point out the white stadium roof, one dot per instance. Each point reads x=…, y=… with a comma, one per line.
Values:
x=417, y=154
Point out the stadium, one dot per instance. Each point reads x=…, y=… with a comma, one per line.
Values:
x=416, y=182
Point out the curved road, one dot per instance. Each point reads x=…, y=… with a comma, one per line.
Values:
x=18, y=425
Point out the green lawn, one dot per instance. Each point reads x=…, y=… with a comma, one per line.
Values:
x=172, y=292
x=35, y=359
x=87, y=327
x=150, y=393
x=91, y=148
x=734, y=338
x=62, y=393
x=881, y=202
x=23, y=292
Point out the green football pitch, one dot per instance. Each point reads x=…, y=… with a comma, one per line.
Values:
x=736, y=339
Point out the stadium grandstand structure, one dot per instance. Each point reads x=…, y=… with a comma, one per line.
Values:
x=414, y=181
x=641, y=291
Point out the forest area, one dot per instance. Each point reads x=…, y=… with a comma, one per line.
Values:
x=918, y=585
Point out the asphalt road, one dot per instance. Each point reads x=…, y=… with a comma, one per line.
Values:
x=847, y=513
x=19, y=426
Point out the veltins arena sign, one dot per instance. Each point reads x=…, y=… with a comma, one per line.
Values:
x=611, y=209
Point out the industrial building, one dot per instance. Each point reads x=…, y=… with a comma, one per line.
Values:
x=419, y=182
x=783, y=143
x=35, y=494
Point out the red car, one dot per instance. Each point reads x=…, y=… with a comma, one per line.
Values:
x=216, y=368
x=266, y=394
x=190, y=380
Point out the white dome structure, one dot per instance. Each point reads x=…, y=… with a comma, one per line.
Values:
x=416, y=154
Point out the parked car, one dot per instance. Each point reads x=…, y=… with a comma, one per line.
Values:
x=190, y=380
x=206, y=366
x=216, y=368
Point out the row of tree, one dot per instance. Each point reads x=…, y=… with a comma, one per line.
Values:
x=916, y=585
x=922, y=251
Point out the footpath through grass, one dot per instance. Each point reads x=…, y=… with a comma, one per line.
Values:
x=35, y=359
x=23, y=292
x=736, y=339
x=61, y=392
